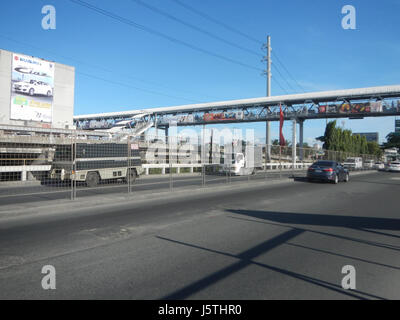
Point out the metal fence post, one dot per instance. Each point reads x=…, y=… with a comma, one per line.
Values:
x=265, y=161
x=170, y=162
x=73, y=167
x=203, y=156
x=128, y=164
x=280, y=162
x=170, y=176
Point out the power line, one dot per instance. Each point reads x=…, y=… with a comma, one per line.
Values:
x=267, y=72
x=287, y=71
x=284, y=79
x=131, y=86
x=159, y=34
x=234, y=30
x=279, y=84
x=194, y=27
x=268, y=59
x=99, y=67
x=163, y=13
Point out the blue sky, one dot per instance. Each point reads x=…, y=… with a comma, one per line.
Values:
x=147, y=71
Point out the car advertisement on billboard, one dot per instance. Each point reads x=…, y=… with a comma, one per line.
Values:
x=32, y=86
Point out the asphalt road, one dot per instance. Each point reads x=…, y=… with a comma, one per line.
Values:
x=283, y=241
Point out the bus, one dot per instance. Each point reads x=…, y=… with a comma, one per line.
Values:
x=95, y=162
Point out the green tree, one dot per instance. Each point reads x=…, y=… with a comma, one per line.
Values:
x=374, y=148
x=275, y=142
x=338, y=139
x=364, y=145
x=393, y=140
x=327, y=137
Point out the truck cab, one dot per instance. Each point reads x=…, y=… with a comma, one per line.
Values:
x=353, y=163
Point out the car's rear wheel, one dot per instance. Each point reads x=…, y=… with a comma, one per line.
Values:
x=336, y=181
x=131, y=176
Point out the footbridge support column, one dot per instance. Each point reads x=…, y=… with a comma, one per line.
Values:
x=268, y=141
x=294, y=142
x=301, y=139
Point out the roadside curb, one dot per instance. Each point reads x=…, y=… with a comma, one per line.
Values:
x=105, y=201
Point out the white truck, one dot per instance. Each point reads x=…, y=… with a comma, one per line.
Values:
x=353, y=163
x=239, y=163
x=369, y=164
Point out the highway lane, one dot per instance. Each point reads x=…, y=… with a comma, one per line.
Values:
x=25, y=194
x=287, y=241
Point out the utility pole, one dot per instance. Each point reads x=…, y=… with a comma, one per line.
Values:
x=268, y=74
x=269, y=61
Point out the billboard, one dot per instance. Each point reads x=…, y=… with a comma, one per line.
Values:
x=186, y=119
x=224, y=116
x=330, y=108
x=376, y=106
x=32, y=88
x=367, y=107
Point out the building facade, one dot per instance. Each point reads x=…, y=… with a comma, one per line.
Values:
x=370, y=136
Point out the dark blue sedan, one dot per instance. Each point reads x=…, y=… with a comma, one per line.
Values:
x=330, y=171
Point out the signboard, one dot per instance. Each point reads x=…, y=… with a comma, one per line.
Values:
x=376, y=106
x=186, y=119
x=32, y=89
x=224, y=116
x=351, y=108
x=361, y=108
x=330, y=108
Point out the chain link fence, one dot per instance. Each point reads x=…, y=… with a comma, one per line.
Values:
x=69, y=166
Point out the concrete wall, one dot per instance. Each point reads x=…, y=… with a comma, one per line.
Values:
x=63, y=103
x=63, y=100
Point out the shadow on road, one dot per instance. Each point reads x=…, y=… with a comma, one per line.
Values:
x=392, y=183
x=327, y=234
x=323, y=220
x=246, y=259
